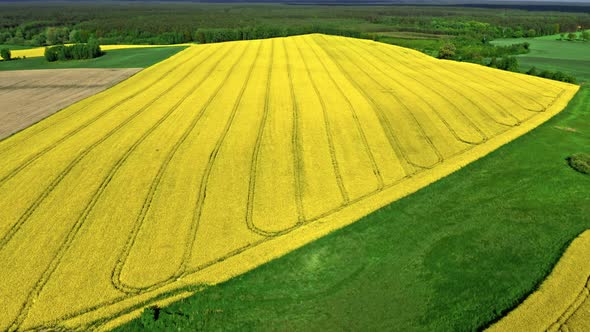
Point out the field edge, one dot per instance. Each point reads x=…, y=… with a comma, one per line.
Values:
x=559, y=295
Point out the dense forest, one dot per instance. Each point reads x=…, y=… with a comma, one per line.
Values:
x=167, y=23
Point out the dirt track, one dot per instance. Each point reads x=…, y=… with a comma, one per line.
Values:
x=27, y=96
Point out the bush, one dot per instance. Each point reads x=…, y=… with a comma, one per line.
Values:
x=580, y=162
x=447, y=51
x=558, y=76
x=572, y=36
x=5, y=54
x=493, y=63
x=533, y=71
x=50, y=54
x=509, y=63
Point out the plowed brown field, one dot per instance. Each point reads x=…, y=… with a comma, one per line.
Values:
x=27, y=96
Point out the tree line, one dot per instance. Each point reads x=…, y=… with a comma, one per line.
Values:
x=43, y=24
x=474, y=51
x=88, y=50
x=510, y=63
x=205, y=36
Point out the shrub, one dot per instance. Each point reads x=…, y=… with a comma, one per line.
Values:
x=447, y=51
x=5, y=54
x=580, y=162
x=493, y=63
x=572, y=36
x=509, y=63
x=50, y=54
x=533, y=71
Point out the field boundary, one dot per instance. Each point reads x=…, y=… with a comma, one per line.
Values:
x=559, y=297
x=101, y=95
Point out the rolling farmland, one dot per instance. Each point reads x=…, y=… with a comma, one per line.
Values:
x=228, y=155
x=549, y=53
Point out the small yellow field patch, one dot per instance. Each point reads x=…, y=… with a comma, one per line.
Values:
x=40, y=51
x=228, y=155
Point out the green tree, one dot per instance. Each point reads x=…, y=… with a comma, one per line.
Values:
x=199, y=36
x=55, y=36
x=531, y=33
x=533, y=71
x=447, y=51
x=493, y=63
x=75, y=36
x=5, y=54
x=50, y=54
x=38, y=40
x=94, y=50
x=571, y=36
x=586, y=35
x=509, y=63
x=4, y=36
x=51, y=35
x=19, y=33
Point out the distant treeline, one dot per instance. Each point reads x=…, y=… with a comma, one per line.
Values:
x=41, y=24
x=469, y=51
x=205, y=36
x=555, y=6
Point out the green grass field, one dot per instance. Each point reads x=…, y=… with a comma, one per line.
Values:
x=455, y=256
x=550, y=53
x=125, y=58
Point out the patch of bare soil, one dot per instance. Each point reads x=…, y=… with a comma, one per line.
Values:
x=28, y=96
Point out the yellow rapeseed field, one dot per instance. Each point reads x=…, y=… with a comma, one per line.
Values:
x=228, y=155
x=40, y=51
